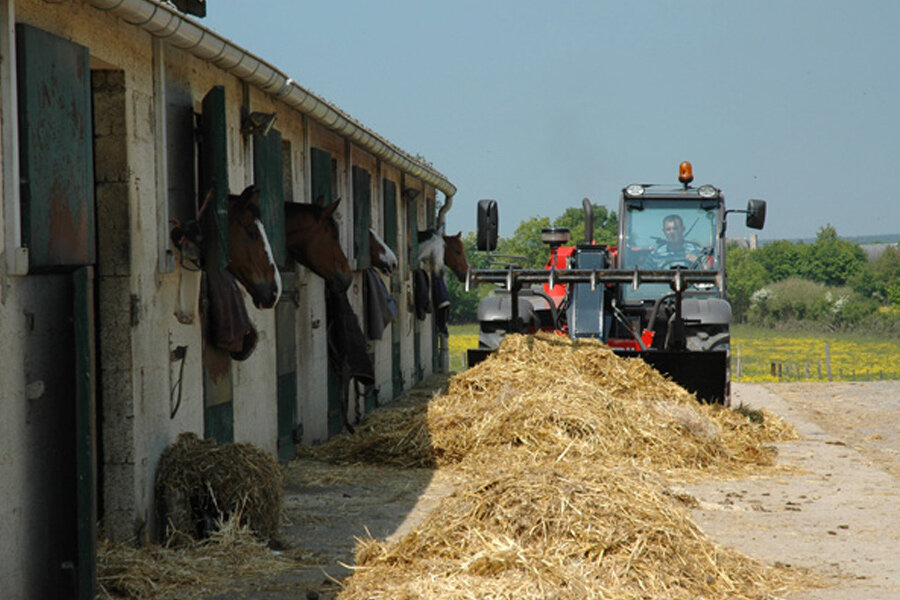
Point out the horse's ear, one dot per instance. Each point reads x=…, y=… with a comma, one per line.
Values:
x=458, y=235
x=329, y=210
x=251, y=195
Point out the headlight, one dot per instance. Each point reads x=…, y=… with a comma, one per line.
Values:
x=634, y=190
x=707, y=191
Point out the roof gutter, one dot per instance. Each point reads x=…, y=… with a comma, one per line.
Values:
x=164, y=22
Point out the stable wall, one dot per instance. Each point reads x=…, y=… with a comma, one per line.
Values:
x=147, y=303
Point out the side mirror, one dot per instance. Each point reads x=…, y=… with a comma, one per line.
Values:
x=488, y=224
x=756, y=214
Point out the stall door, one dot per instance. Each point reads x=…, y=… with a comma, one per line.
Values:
x=322, y=189
x=57, y=193
x=362, y=220
x=435, y=350
x=391, y=233
x=268, y=176
x=412, y=235
x=56, y=152
x=218, y=406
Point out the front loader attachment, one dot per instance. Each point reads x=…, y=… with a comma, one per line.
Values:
x=704, y=373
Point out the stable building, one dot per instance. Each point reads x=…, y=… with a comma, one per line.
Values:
x=116, y=116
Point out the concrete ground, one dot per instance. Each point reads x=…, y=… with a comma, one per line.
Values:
x=839, y=514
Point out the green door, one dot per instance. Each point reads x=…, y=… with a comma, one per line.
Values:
x=268, y=176
x=217, y=389
x=85, y=432
x=362, y=216
x=322, y=191
x=362, y=221
x=55, y=149
x=435, y=354
x=286, y=361
x=391, y=235
x=412, y=235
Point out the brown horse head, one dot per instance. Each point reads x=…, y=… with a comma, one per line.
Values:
x=250, y=257
x=380, y=254
x=455, y=255
x=312, y=240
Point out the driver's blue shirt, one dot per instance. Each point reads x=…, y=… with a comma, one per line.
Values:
x=664, y=257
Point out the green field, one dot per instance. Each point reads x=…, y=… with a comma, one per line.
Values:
x=754, y=351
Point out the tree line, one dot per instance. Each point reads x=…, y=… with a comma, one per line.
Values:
x=827, y=284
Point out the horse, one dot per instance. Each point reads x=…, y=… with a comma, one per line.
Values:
x=312, y=239
x=381, y=255
x=250, y=257
x=443, y=250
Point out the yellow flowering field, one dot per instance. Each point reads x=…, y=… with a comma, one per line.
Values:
x=462, y=337
x=799, y=357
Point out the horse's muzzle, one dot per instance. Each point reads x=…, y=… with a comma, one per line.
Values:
x=265, y=295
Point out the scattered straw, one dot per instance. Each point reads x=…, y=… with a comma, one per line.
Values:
x=232, y=558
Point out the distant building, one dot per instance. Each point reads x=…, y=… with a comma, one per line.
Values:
x=751, y=242
x=873, y=251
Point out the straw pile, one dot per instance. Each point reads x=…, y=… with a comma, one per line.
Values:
x=555, y=398
x=563, y=447
x=200, y=483
x=549, y=529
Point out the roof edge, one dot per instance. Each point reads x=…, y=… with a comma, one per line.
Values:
x=164, y=22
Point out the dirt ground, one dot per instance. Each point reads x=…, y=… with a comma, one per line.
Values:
x=838, y=512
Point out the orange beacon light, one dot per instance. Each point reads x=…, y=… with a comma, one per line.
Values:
x=685, y=173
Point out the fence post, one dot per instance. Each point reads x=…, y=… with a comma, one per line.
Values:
x=828, y=359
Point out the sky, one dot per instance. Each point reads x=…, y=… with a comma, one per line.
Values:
x=538, y=104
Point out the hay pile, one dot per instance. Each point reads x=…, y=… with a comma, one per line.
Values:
x=555, y=398
x=232, y=558
x=200, y=483
x=563, y=447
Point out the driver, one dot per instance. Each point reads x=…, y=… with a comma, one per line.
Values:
x=676, y=250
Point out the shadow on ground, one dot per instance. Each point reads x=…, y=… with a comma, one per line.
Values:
x=327, y=507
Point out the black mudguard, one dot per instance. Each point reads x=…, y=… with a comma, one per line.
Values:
x=704, y=373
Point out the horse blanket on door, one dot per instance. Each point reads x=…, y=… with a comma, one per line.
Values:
x=230, y=328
